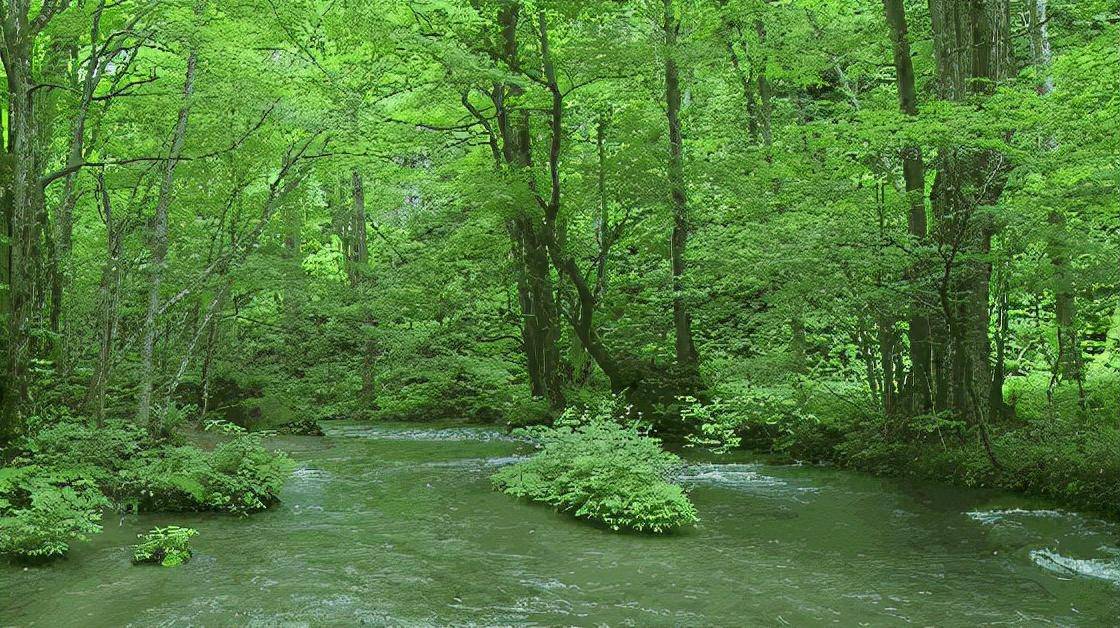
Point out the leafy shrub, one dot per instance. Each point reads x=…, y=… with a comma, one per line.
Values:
x=597, y=468
x=238, y=476
x=166, y=479
x=526, y=411
x=777, y=419
x=437, y=381
x=714, y=425
x=43, y=510
x=64, y=441
x=168, y=546
x=245, y=477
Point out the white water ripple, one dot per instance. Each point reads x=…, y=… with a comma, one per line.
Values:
x=1089, y=568
x=421, y=434
x=997, y=516
x=741, y=476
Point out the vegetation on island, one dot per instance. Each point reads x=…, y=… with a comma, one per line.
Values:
x=599, y=464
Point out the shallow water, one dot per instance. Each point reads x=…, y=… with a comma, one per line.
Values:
x=398, y=525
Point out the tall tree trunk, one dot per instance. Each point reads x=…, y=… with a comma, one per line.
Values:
x=603, y=234
x=913, y=172
x=23, y=211
x=582, y=317
x=1068, y=366
x=359, y=247
x=540, y=330
x=972, y=46
x=732, y=32
x=746, y=80
x=1040, y=44
x=682, y=319
x=207, y=369
x=86, y=87
x=144, y=414
x=110, y=304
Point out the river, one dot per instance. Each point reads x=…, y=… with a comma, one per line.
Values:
x=398, y=525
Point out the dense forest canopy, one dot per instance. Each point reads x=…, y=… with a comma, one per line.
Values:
x=882, y=221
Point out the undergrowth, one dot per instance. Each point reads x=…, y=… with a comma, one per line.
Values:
x=598, y=466
x=1052, y=448
x=68, y=470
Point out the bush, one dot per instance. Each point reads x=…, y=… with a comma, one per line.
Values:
x=54, y=490
x=239, y=476
x=244, y=476
x=168, y=546
x=527, y=411
x=780, y=420
x=597, y=468
x=64, y=441
x=306, y=426
x=43, y=510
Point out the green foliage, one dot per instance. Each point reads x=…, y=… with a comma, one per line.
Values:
x=1053, y=450
x=44, y=510
x=169, y=546
x=68, y=470
x=594, y=466
x=715, y=425
x=238, y=476
x=445, y=388
x=777, y=417
x=62, y=441
x=1060, y=459
x=279, y=301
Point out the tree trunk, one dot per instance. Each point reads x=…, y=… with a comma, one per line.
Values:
x=358, y=244
x=583, y=314
x=110, y=304
x=887, y=340
x=144, y=414
x=732, y=32
x=23, y=219
x=212, y=335
x=765, y=109
x=972, y=46
x=682, y=319
x=540, y=329
x=65, y=222
x=1068, y=366
x=913, y=172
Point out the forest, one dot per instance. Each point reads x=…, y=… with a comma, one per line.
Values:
x=560, y=312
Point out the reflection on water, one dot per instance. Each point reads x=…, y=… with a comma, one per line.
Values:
x=398, y=525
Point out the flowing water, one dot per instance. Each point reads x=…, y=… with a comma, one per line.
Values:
x=398, y=525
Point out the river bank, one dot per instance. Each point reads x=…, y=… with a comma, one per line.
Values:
x=1070, y=463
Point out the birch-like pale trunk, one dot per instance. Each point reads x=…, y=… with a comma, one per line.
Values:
x=144, y=414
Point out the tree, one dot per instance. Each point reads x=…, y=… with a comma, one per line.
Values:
x=682, y=320
x=972, y=49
